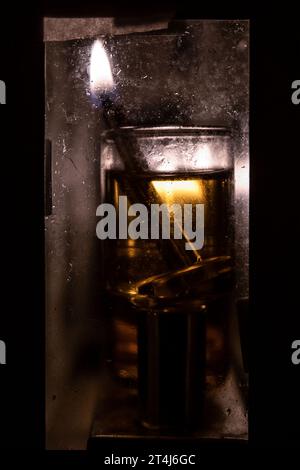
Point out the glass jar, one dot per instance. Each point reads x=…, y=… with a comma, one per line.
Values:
x=168, y=295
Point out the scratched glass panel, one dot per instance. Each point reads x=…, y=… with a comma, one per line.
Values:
x=196, y=73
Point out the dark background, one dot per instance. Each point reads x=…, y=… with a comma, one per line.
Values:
x=274, y=236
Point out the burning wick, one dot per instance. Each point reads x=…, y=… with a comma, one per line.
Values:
x=104, y=93
x=102, y=85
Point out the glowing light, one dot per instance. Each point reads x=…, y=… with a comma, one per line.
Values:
x=242, y=179
x=180, y=192
x=101, y=78
x=170, y=191
x=204, y=157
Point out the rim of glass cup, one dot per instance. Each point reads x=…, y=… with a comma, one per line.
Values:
x=168, y=131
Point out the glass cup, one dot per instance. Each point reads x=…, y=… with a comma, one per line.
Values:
x=168, y=296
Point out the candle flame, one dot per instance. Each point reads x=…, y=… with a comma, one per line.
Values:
x=101, y=79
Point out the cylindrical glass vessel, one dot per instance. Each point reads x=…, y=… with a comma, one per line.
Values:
x=168, y=299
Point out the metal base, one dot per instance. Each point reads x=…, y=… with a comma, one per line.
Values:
x=224, y=421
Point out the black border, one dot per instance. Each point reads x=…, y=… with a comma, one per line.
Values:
x=274, y=234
